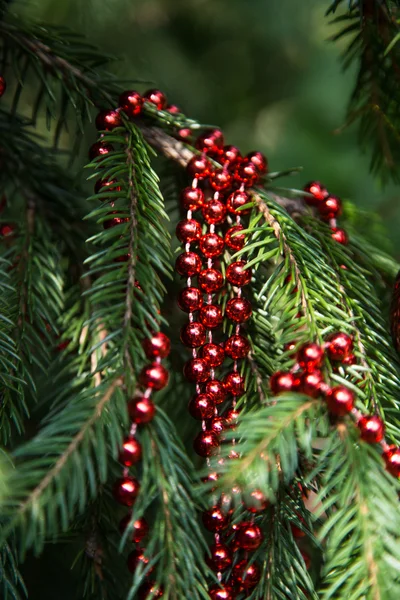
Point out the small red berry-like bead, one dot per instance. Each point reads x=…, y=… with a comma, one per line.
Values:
x=237, y=274
x=136, y=558
x=216, y=390
x=257, y=502
x=214, y=211
x=197, y=370
x=150, y=590
x=247, y=173
x=202, y=407
x=211, y=140
x=158, y=345
x=317, y=190
x=246, y=575
x=190, y=299
x=221, y=557
x=154, y=376
x=213, y=353
x=249, y=536
x=115, y=220
x=214, y=519
x=131, y=452
x=340, y=236
x=109, y=185
x=392, y=460
x=210, y=316
x=188, y=264
x=3, y=86
x=6, y=230
x=131, y=103
x=141, y=410
x=126, y=490
x=340, y=400
x=234, y=383
x=157, y=98
x=231, y=155
x=184, y=134
x=330, y=208
x=198, y=167
x=206, y=443
x=339, y=346
x=259, y=161
x=188, y=231
x=235, y=202
x=217, y=425
x=221, y=592
x=372, y=428
x=192, y=198
x=283, y=382
x=193, y=334
x=107, y=120
x=210, y=280
x=99, y=149
x=173, y=109
x=351, y=359
x=231, y=418
x=237, y=347
x=220, y=179
x=310, y=356
x=140, y=528
x=310, y=383
x=233, y=239
x=211, y=245
x=238, y=310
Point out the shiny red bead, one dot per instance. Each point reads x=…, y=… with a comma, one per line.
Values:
x=158, y=345
x=190, y=299
x=214, y=520
x=212, y=140
x=137, y=558
x=210, y=316
x=188, y=264
x=330, y=208
x=221, y=557
x=233, y=239
x=247, y=173
x=237, y=347
x=206, y=443
x=211, y=245
x=392, y=460
x=351, y=359
x=235, y=202
x=214, y=211
x=150, y=590
x=202, y=407
x=259, y=161
x=216, y=425
x=139, y=530
x=234, y=383
x=310, y=356
x=372, y=428
x=238, y=310
x=99, y=149
x=131, y=103
x=184, y=134
x=157, y=98
x=213, y=353
x=192, y=198
x=310, y=383
x=197, y=370
x=188, y=231
x=115, y=221
x=154, y=376
x=111, y=185
x=340, y=400
x=126, y=490
x=198, y=167
x=216, y=390
x=141, y=410
x=231, y=418
x=3, y=86
x=221, y=592
x=193, y=334
x=131, y=452
x=173, y=109
x=220, y=179
x=245, y=574
x=317, y=190
x=237, y=275
x=249, y=536
x=339, y=346
x=210, y=280
x=281, y=382
x=340, y=236
x=231, y=155
x=107, y=120
x=257, y=502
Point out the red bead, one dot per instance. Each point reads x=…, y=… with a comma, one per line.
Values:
x=107, y=120
x=137, y=558
x=211, y=316
x=154, y=376
x=139, y=528
x=3, y=86
x=188, y=264
x=372, y=428
x=126, y=490
x=283, y=382
x=210, y=280
x=212, y=140
x=231, y=418
x=115, y=220
x=216, y=390
x=211, y=245
x=247, y=173
x=157, y=98
x=131, y=103
x=234, y=240
x=214, y=520
x=111, y=185
x=249, y=536
x=317, y=190
x=188, y=231
x=221, y=557
x=141, y=410
x=192, y=198
x=259, y=161
x=173, y=109
x=349, y=360
x=237, y=347
x=236, y=200
x=210, y=478
x=392, y=460
x=131, y=452
x=231, y=155
x=220, y=179
x=202, y=407
x=99, y=149
x=340, y=236
x=237, y=275
x=193, y=334
x=190, y=299
x=246, y=575
x=214, y=211
x=234, y=383
x=221, y=592
x=158, y=345
x=310, y=356
x=184, y=134
x=257, y=502
x=238, y=310
x=216, y=425
x=198, y=167
x=206, y=443
x=150, y=590
x=330, y=208
x=6, y=230
x=197, y=370
x=339, y=346
x=213, y=353
x=310, y=383
x=340, y=400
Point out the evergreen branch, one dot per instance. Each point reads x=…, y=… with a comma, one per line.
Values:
x=11, y=583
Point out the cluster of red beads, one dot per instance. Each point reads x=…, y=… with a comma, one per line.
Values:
x=3, y=86
x=328, y=206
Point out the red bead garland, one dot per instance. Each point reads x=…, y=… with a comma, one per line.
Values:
x=329, y=208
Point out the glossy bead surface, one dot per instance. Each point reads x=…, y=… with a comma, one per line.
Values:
x=339, y=346
x=245, y=574
x=210, y=316
x=330, y=207
x=141, y=410
x=156, y=97
x=249, y=536
x=340, y=236
x=135, y=559
x=214, y=211
x=210, y=280
x=107, y=120
x=237, y=275
x=213, y=353
x=211, y=245
x=190, y=299
x=211, y=140
x=310, y=356
x=233, y=239
x=139, y=529
x=188, y=264
x=154, y=376
x=236, y=200
x=216, y=425
x=256, y=502
x=108, y=185
x=150, y=590
x=3, y=86
x=247, y=173
x=192, y=198
x=238, y=310
x=158, y=345
x=392, y=460
x=216, y=390
x=372, y=428
x=126, y=490
x=231, y=155
x=237, y=347
x=184, y=134
x=214, y=519
x=193, y=334
x=310, y=383
x=99, y=149
x=221, y=592
x=173, y=109
x=202, y=407
x=131, y=103
x=234, y=383
x=115, y=221
x=282, y=381
x=206, y=443
x=188, y=231
x=198, y=167
x=340, y=400
x=131, y=452
x=221, y=557
x=259, y=161
x=197, y=370
x=317, y=190
x=220, y=179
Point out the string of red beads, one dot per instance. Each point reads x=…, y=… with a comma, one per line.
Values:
x=329, y=208
x=3, y=86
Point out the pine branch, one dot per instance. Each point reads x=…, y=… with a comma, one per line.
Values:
x=11, y=583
